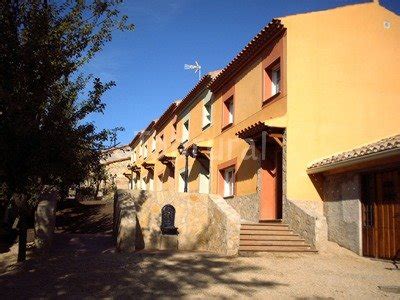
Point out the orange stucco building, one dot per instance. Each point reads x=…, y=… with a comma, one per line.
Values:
x=265, y=132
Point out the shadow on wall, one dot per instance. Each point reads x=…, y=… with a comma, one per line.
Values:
x=86, y=266
x=249, y=167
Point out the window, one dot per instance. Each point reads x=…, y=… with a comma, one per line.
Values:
x=185, y=131
x=145, y=151
x=160, y=182
x=228, y=113
x=134, y=156
x=143, y=184
x=161, y=141
x=153, y=143
x=173, y=135
x=229, y=181
x=181, y=186
x=141, y=148
x=133, y=184
x=151, y=181
x=207, y=114
x=272, y=80
x=275, y=80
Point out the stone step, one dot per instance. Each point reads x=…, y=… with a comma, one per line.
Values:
x=273, y=243
x=268, y=232
x=269, y=237
x=264, y=227
x=253, y=248
x=264, y=224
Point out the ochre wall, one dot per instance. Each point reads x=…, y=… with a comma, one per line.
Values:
x=248, y=109
x=343, y=80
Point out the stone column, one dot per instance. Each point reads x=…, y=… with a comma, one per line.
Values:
x=45, y=218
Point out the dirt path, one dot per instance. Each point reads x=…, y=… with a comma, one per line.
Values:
x=85, y=217
x=86, y=265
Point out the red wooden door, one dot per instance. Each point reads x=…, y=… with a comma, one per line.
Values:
x=271, y=184
x=381, y=214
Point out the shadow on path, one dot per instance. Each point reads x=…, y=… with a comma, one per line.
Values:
x=84, y=217
x=82, y=265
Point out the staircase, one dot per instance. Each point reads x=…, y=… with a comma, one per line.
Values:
x=271, y=236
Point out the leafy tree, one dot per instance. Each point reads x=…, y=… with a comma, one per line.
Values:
x=44, y=138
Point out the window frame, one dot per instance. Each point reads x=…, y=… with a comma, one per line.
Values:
x=229, y=187
x=153, y=143
x=185, y=132
x=181, y=179
x=206, y=114
x=270, y=65
x=228, y=97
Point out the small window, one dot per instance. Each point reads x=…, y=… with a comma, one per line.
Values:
x=185, y=131
x=153, y=143
x=182, y=179
x=145, y=151
x=143, y=184
x=228, y=113
x=151, y=181
x=229, y=181
x=134, y=156
x=141, y=149
x=274, y=74
x=207, y=114
x=173, y=137
x=161, y=141
x=160, y=182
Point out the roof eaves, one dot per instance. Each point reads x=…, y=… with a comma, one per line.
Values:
x=385, y=147
x=136, y=138
x=166, y=115
x=268, y=33
x=200, y=86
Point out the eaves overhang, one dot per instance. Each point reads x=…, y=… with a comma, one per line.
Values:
x=269, y=33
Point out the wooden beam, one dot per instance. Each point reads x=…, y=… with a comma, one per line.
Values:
x=278, y=141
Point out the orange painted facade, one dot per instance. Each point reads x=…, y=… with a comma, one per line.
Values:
x=315, y=82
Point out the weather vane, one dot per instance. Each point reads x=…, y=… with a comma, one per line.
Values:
x=196, y=67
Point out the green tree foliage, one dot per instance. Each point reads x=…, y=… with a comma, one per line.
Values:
x=44, y=138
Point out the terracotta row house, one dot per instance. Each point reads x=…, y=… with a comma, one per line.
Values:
x=267, y=131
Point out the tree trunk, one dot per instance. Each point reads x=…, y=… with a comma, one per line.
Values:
x=23, y=229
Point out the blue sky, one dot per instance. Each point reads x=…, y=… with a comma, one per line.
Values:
x=147, y=64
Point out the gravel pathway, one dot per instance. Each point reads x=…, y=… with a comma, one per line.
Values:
x=86, y=265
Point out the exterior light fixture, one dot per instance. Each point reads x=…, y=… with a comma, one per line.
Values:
x=181, y=149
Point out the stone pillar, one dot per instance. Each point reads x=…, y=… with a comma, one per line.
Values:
x=124, y=221
x=45, y=218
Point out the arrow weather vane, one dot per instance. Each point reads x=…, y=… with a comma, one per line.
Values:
x=196, y=67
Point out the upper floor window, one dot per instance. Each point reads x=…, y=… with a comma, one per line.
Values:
x=141, y=149
x=207, y=114
x=134, y=156
x=153, y=143
x=229, y=181
x=145, y=151
x=161, y=141
x=228, y=112
x=273, y=80
x=185, y=131
x=173, y=133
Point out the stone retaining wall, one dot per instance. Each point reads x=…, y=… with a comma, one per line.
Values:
x=306, y=219
x=204, y=222
x=247, y=206
x=342, y=208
